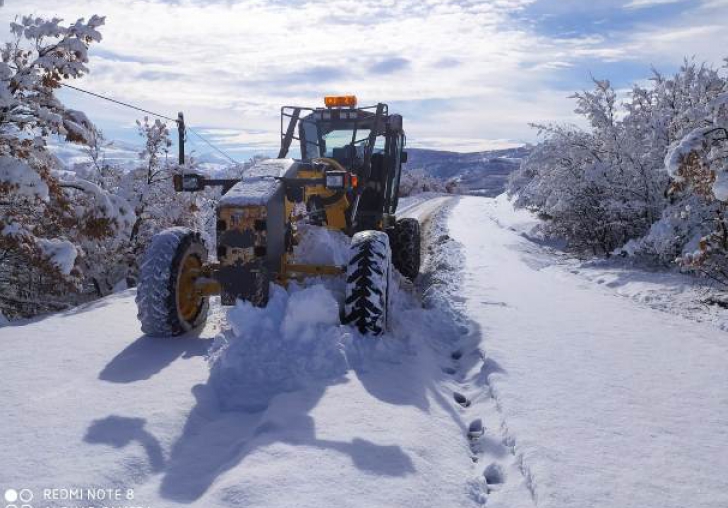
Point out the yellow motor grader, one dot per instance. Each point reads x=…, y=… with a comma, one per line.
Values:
x=346, y=179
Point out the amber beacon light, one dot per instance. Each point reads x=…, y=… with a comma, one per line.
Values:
x=340, y=101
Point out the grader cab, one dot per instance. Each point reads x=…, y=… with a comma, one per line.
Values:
x=346, y=179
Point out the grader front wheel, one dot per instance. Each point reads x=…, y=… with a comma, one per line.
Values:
x=366, y=304
x=167, y=299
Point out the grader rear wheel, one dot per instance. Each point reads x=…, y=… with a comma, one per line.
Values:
x=405, y=241
x=167, y=299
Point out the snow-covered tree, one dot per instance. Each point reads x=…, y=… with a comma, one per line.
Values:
x=45, y=218
x=150, y=189
x=147, y=186
x=606, y=187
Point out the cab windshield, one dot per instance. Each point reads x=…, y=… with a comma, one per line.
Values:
x=341, y=138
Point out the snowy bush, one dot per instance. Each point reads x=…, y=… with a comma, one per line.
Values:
x=148, y=188
x=71, y=234
x=417, y=181
x=698, y=164
x=643, y=176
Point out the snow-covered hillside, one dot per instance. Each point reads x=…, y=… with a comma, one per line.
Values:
x=482, y=173
x=507, y=380
x=126, y=155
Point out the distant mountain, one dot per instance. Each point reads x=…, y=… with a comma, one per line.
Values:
x=483, y=173
x=117, y=152
x=127, y=155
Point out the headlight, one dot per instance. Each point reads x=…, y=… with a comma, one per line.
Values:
x=335, y=180
x=188, y=182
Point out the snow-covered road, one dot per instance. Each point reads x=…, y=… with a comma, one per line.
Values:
x=606, y=403
x=518, y=384
x=422, y=206
x=89, y=402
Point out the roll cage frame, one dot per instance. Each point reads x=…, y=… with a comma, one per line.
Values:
x=378, y=175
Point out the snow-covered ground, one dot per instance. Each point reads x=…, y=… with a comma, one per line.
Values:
x=604, y=401
x=653, y=286
x=313, y=415
x=511, y=377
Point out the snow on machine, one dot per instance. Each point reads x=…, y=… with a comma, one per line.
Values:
x=347, y=179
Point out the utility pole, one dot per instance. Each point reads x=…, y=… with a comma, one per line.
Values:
x=181, y=131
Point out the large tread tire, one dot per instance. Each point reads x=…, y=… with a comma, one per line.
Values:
x=406, y=244
x=368, y=274
x=156, y=298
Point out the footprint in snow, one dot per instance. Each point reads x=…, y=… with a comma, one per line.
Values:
x=476, y=430
x=494, y=477
x=494, y=474
x=461, y=399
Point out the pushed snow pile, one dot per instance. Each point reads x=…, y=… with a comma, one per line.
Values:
x=321, y=246
x=295, y=339
x=298, y=339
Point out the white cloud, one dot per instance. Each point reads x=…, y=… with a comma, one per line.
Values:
x=712, y=4
x=464, y=144
x=668, y=45
x=641, y=4
x=232, y=65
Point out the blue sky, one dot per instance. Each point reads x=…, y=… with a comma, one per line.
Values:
x=466, y=74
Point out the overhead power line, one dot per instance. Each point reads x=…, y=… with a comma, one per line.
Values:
x=193, y=131
x=165, y=117
x=118, y=102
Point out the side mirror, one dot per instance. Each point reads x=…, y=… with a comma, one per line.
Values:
x=403, y=157
x=188, y=182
